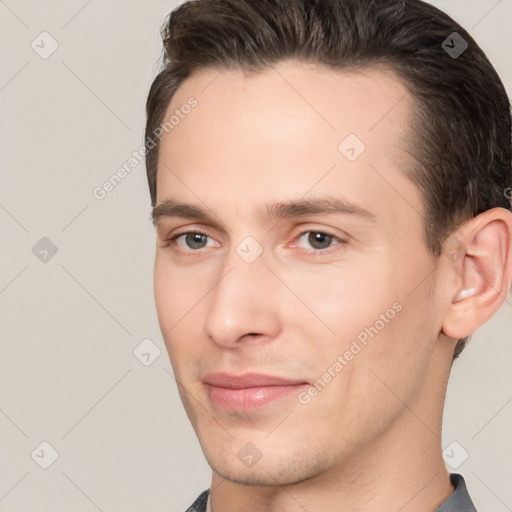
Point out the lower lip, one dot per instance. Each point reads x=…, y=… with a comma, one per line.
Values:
x=250, y=399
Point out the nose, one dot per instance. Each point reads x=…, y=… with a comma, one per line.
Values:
x=243, y=307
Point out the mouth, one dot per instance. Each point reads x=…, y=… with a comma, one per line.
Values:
x=249, y=392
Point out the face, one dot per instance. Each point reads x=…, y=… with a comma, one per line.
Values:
x=293, y=287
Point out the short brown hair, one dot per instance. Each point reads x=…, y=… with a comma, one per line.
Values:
x=461, y=123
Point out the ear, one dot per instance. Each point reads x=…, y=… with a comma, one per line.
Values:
x=480, y=254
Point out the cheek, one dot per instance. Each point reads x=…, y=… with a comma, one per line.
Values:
x=177, y=292
x=364, y=309
x=342, y=300
x=379, y=351
x=174, y=300
x=165, y=293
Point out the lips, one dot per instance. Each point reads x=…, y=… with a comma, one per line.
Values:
x=249, y=392
x=248, y=380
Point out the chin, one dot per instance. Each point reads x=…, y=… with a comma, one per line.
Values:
x=268, y=471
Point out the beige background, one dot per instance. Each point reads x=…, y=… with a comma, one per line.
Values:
x=69, y=326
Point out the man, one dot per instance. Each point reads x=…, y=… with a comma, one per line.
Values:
x=329, y=188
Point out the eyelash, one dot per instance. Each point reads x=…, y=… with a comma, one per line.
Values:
x=312, y=252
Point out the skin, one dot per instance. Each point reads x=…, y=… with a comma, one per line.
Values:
x=371, y=439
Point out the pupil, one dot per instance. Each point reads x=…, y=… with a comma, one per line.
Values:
x=321, y=239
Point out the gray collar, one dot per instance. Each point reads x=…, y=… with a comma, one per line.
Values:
x=459, y=500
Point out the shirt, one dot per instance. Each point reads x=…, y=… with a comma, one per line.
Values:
x=458, y=501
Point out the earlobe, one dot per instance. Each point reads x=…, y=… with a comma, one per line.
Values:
x=484, y=271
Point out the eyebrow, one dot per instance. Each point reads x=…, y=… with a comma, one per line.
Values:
x=171, y=208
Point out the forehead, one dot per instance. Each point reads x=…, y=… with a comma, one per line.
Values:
x=287, y=130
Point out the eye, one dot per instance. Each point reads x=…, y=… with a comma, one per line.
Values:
x=319, y=240
x=191, y=241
